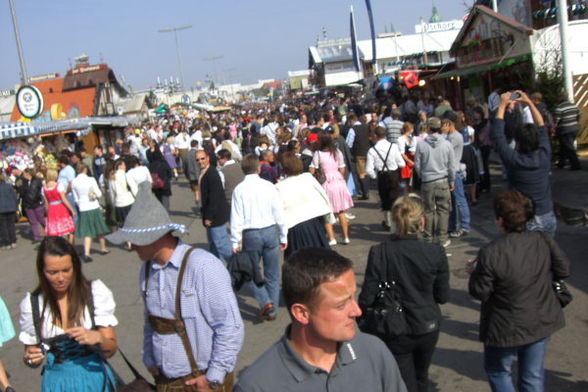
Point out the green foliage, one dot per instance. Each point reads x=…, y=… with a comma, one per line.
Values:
x=549, y=80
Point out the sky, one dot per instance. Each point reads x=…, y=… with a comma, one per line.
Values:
x=257, y=39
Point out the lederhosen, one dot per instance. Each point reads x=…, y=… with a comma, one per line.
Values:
x=388, y=182
x=177, y=326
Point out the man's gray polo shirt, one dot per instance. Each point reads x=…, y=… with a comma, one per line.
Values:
x=363, y=364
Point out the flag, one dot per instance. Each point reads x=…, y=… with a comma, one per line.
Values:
x=354, y=48
x=373, y=30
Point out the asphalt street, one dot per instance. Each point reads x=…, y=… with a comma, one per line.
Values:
x=458, y=360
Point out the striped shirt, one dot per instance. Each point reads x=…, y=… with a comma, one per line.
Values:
x=566, y=116
x=209, y=309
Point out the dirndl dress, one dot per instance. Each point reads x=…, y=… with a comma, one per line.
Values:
x=91, y=224
x=169, y=156
x=307, y=234
x=335, y=185
x=59, y=220
x=74, y=367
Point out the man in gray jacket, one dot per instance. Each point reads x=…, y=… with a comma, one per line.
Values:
x=434, y=163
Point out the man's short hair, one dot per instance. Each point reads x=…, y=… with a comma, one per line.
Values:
x=380, y=132
x=450, y=115
x=291, y=164
x=194, y=143
x=306, y=270
x=250, y=164
x=527, y=138
x=63, y=159
x=224, y=154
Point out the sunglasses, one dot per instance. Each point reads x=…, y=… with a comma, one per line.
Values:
x=201, y=159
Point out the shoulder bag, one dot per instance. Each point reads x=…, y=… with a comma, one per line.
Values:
x=560, y=289
x=385, y=318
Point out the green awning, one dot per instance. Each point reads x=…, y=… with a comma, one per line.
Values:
x=482, y=68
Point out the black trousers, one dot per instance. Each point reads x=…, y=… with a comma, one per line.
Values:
x=485, y=180
x=7, y=228
x=413, y=354
x=566, y=150
x=388, y=188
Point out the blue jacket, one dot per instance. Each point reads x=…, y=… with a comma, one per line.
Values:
x=8, y=200
x=527, y=172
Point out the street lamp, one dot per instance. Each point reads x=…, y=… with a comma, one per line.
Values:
x=214, y=59
x=175, y=31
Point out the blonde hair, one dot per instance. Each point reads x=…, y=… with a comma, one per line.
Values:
x=406, y=213
x=51, y=175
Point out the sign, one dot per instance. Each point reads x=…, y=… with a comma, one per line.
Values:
x=440, y=26
x=38, y=78
x=29, y=101
x=91, y=68
x=7, y=93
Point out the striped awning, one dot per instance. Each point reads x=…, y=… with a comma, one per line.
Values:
x=23, y=129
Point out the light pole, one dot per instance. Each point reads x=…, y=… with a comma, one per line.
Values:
x=175, y=31
x=24, y=78
x=214, y=59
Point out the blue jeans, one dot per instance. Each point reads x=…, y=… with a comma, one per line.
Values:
x=546, y=222
x=498, y=363
x=460, y=206
x=219, y=242
x=265, y=243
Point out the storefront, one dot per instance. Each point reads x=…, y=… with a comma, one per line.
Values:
x=491, y=51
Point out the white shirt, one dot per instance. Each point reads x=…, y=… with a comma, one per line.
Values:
x=403, y=141
x=375, y=164
x=122, y=195
x=270, y=131
x=104, y=307
x=137, y=175
x=81, y=187
x=197, y=135
x=255, y=205
x=182, y=141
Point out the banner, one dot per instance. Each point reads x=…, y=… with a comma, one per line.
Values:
x=372, y=29
x=354, y=48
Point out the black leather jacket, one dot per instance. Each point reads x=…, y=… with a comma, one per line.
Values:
x=30, y=192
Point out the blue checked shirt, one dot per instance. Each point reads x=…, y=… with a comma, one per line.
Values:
x=210, y=312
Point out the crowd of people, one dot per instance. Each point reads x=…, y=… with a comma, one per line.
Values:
x=268, y=179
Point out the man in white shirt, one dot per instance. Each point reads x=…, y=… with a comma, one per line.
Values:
x=270, y=130
x=257, y=222
x=383, y=162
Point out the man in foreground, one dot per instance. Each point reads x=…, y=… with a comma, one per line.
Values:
x=193, y=329
x=321, y=349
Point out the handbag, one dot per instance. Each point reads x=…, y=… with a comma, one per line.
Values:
x=319, y=173
x=157, y=181
x=562, y=293
x=139, y=384
x=385, y=318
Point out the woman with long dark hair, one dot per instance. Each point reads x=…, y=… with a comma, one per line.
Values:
x=330, y=159
x=68, y=323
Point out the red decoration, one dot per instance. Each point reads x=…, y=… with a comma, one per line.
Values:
x=411, y=78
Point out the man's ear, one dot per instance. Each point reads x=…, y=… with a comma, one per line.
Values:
x=300, y=313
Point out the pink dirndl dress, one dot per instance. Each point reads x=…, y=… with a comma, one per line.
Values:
x=335, y=185
x=59, y=220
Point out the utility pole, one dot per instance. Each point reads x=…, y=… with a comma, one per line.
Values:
x=175, y=31
x=24, y=77
x=562, y=16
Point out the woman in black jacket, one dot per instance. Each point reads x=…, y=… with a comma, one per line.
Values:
x=158, y=166
x=512, y=276
x=420, y=274
x=30, y=190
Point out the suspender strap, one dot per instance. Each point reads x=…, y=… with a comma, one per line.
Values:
x=180, y=325
x=386, y=159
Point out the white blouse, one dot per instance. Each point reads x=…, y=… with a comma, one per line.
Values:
x=82, y=186
x=103, y=315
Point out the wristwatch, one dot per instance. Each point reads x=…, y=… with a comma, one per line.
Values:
x=214, y=385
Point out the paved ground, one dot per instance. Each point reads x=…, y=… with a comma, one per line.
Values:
x=457, y=363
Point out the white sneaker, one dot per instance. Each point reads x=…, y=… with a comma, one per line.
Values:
x=446, y=243
x=350, y=216
x=332, y=242
x=345, y=241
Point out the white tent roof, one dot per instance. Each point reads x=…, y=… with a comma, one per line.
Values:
x=407, y=45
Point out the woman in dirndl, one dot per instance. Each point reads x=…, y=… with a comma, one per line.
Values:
x=306, y=206
x=91, y=222
x=67, y=323
x=60, y=212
